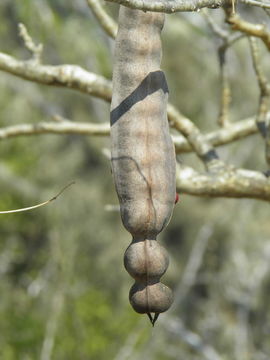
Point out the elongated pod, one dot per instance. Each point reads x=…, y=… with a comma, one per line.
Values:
x=143, y=159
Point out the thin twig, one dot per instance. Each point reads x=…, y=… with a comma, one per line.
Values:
x=38, y=205
x=106, y=22
x=196, y=139
x=233, y=7
x=260, y=4
x=227, y=40
x=36, y=50
x=264, y=102
x=60, y=127
x=262, y=81
x=233, y=132
x=257, y=30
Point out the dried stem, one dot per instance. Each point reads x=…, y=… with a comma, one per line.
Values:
x=38, y=205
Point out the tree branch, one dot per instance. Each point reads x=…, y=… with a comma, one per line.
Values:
x=36, y=50
x=264, y=101
x=70, y=76
x=76, y=78
x=65, y=127
x=257, y=30
x=238, y=183
x=260, y=4
x=196, y=139
x=220, y=137
x=231, y=183
x=170, y=6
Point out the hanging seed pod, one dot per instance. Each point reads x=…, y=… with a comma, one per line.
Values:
x=143, y=158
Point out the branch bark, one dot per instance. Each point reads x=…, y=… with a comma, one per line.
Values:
x=233, y=183
x=219, y=137
x=77, y=78
x=257, y=30
x=70, y=76
x=170, y=6
x=196, y=139
x=65, y=127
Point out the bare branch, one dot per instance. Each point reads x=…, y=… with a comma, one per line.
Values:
x=76, y=78
x=225, y=98
x=70, y=76
x=196, y=139
x=36, y=50
x=233, y=132
x=220, y=137
x=233, y=183
x=257, y=30
x=79, y=79
x=227, y=40
x=264, y=102
x=260, y=4
x=170, y=6
x=106, y=22
x=63, y=127
x=264, y=86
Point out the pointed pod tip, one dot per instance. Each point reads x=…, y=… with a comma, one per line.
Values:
x=150, y=318
x=153, y=319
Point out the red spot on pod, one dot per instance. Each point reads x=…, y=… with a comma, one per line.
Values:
x=176, y=198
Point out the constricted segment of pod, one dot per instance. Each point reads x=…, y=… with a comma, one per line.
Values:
x=146, y=261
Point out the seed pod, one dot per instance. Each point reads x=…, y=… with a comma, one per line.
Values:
x=143, y=158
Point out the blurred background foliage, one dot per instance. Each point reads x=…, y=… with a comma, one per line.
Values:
x=64, y=291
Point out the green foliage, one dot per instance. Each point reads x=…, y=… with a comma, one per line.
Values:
x=95, y=324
